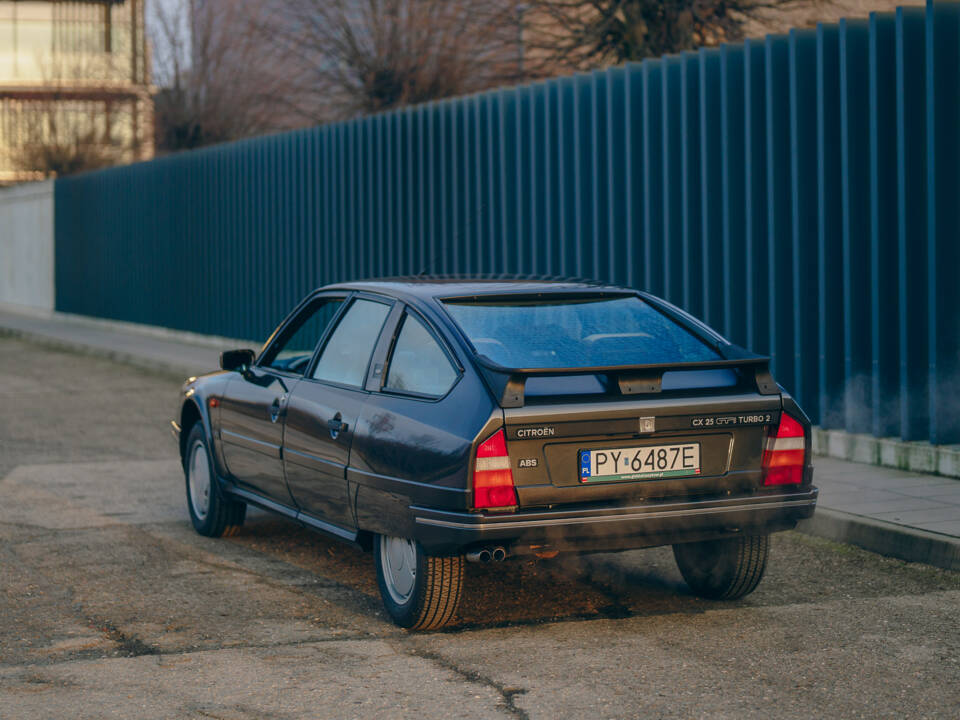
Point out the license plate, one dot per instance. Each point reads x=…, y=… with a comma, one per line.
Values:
x=639, y=463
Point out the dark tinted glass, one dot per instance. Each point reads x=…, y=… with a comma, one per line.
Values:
x=293, y=352
x=347, y=354
x=419, y=364
x=576, y=333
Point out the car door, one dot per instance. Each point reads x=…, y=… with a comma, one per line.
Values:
x=415, y=433
x=253, y=407
x=323, y=409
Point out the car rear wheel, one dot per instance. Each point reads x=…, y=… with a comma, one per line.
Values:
x=419, y=591
x=213, y=513
x=723, y=569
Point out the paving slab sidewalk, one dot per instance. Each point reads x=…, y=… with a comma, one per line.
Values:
x=905, y=515
x=171, y=351
x=910, y=516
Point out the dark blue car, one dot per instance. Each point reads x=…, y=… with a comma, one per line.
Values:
x=438, y=421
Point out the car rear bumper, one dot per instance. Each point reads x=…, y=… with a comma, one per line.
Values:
x=647, y=524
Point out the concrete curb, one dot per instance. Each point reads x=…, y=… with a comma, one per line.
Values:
x=891, y=539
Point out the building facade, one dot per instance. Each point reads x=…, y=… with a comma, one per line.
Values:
x=75, y=88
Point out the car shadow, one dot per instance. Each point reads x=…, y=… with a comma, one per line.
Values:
x=530, y=590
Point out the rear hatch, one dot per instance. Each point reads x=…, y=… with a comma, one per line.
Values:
x=568, y=451
x=616, y=395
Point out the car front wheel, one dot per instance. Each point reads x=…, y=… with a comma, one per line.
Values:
x=213, y=514
x=723, y=569
x=419, y=591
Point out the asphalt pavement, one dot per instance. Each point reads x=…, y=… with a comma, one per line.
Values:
x=111, y=606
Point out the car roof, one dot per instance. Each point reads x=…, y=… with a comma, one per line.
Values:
x=426, y=287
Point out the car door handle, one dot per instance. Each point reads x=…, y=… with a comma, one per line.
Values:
x=275, y=409
x=336, y=425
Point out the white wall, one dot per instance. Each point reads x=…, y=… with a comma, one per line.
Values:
x=26, y=245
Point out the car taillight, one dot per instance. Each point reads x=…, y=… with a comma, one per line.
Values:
x=784, y=453
x=492, y=476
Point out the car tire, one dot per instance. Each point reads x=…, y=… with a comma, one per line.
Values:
x=419, y=591
x=723, y=569
x=213, y=513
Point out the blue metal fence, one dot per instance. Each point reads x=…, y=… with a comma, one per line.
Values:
x=800, y=193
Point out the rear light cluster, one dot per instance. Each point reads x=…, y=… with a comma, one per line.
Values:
x=492, y=477
x=784, y=453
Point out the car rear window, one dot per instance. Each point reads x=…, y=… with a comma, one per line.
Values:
x=593, y=332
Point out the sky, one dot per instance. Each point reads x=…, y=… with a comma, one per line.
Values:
x=161, y=49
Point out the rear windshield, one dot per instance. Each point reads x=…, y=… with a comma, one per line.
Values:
x=576, y=333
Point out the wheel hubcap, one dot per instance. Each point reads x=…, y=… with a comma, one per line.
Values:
x=398, y=556
x=199, y=479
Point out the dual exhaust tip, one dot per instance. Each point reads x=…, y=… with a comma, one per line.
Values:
x=487, y=554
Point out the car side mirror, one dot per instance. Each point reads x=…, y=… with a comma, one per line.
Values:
x=236, y=359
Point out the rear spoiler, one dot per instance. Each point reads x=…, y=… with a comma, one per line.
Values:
x=507, y=384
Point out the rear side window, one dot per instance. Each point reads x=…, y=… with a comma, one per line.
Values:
x=418, y=364
x=346, y=355
x=590, y=332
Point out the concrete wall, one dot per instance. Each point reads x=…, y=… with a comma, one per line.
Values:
x=26, y=245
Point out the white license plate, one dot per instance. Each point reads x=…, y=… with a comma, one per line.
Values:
x=639, y=463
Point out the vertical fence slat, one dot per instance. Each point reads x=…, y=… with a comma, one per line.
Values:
x=633, y=197
x=943, y=222
x=691, y=274
x=854, y=186
x=755, y=197
x=537, y=158
x=778, y=279
x=595, y=178
x=672, y=179
x=912, y=222
x=733, y=186
x=711, y=193
x=618, y=209
x=829, y=230
x=522, y=237
x=884, y=298
x=653, y=202
x=803, y=169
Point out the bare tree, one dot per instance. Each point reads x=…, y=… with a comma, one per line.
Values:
x=232, y=68
x=579, y=34
x=218, y=79
x=60, y=139
x=365, y=56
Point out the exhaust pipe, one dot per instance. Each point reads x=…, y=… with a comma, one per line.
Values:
x=486, y=554
x=480, y=556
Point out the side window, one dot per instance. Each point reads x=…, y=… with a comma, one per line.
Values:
x=347, y=353
x=293, y=351
x=419, y=364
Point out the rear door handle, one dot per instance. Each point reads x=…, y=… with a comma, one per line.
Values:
x=336, y=425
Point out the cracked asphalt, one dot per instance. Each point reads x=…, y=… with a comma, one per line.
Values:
x=111, y=606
